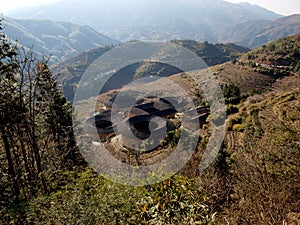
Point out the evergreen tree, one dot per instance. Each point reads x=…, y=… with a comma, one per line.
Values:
x=57, y=114
x=36, y=134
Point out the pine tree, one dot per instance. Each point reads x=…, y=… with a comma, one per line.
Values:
x=57, y=113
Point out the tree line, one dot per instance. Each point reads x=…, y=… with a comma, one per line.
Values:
x=36, y=134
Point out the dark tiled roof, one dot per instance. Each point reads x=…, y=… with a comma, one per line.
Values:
x=165, y=112
x=137, y=112
x=123, y=102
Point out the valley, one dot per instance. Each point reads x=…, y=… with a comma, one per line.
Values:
x=149, y=112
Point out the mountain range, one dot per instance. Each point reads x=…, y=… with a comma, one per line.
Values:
x=254, y=34
x=200, y=20
x=91, y=24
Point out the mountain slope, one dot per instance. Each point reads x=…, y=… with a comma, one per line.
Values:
x=213, y=54
x=151, y=19
x=253, y=34
x=71, y=70
x=282, y=54
x=59, y=39
x=262, y=147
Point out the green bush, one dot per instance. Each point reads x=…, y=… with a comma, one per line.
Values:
x=177, y=200
x=239, y=127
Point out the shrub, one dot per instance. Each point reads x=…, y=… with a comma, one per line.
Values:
x=88, y=198
x=239, y=127
x=231, y=109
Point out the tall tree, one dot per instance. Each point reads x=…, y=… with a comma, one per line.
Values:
x=36, y=134
x=57, y=114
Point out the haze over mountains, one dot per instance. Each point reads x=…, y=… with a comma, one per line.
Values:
x=215, y=21
x=199, y=20
x=254, y=34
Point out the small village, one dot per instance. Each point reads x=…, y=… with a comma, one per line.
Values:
x=147, y=120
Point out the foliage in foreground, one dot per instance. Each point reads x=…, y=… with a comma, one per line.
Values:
x=88, y=198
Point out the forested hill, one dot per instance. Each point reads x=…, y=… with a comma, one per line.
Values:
x=213, y=54
x=284, y=53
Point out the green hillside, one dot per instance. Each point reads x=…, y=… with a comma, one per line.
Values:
x=213, y=54
x=281, y=55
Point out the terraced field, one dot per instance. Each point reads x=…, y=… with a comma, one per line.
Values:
x=263, y=144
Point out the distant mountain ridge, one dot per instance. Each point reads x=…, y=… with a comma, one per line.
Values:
x=200, y=20
x=253, y=34
x=58, y=39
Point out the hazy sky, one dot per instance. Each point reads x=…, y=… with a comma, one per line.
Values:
x=285, y=7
